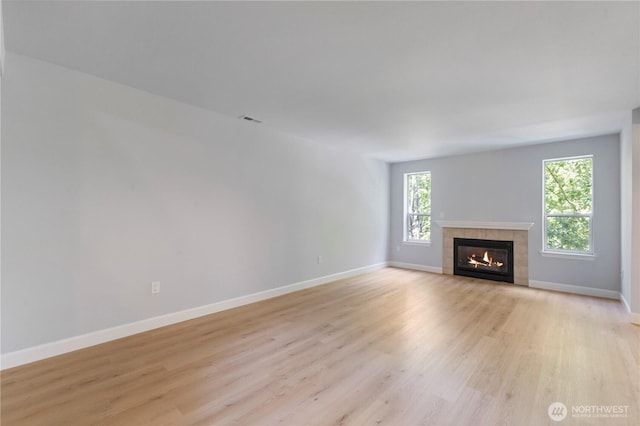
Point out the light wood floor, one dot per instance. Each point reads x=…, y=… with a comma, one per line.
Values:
x=390, y=347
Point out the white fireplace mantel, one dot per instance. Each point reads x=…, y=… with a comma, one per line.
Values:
x=471, y=224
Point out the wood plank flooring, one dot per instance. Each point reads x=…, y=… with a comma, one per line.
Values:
x=392, y=347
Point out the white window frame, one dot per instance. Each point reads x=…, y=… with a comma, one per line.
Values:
x=569, y=254
x=406, y=211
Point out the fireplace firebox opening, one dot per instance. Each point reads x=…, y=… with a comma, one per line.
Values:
x=487, y=259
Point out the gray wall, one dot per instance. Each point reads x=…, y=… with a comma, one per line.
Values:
x=106, y=188
x=506, y=185
x=635, y=229
x=630, y=212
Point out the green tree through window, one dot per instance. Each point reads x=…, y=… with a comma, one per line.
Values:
x=568, y=204
x=418, y=206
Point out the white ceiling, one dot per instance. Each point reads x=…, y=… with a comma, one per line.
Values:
x=397, y=80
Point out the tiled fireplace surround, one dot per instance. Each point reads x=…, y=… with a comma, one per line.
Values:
x=518, y=232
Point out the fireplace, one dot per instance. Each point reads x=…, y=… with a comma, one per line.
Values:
x=518, y=232
x=487, y=259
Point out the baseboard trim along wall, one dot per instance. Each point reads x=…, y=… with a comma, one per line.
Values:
x=634, y=317
x=47, y=350
x=625, y=303
x=575, y=289
x=544, y=285
x=402, y=265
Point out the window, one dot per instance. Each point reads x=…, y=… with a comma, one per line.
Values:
x=568, y=205
x=417, y=207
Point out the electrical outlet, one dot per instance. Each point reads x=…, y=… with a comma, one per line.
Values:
x=320, y=260
x=155, y=287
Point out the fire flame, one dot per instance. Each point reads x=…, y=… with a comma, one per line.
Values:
x=486, y=261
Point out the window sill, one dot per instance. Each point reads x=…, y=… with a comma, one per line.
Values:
x=417, y=243
x=563, y=255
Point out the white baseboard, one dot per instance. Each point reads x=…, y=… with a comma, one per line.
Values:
x=47, y=350
x=625, y=303
x=434, y=269
x=634, y=317
x=565, y=288
x=575, y=289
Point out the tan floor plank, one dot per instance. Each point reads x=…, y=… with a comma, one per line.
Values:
x=392, y=347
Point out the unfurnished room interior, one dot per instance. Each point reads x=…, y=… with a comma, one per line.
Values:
x=320, y=213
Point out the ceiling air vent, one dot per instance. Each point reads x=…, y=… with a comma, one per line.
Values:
x=247, y=118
